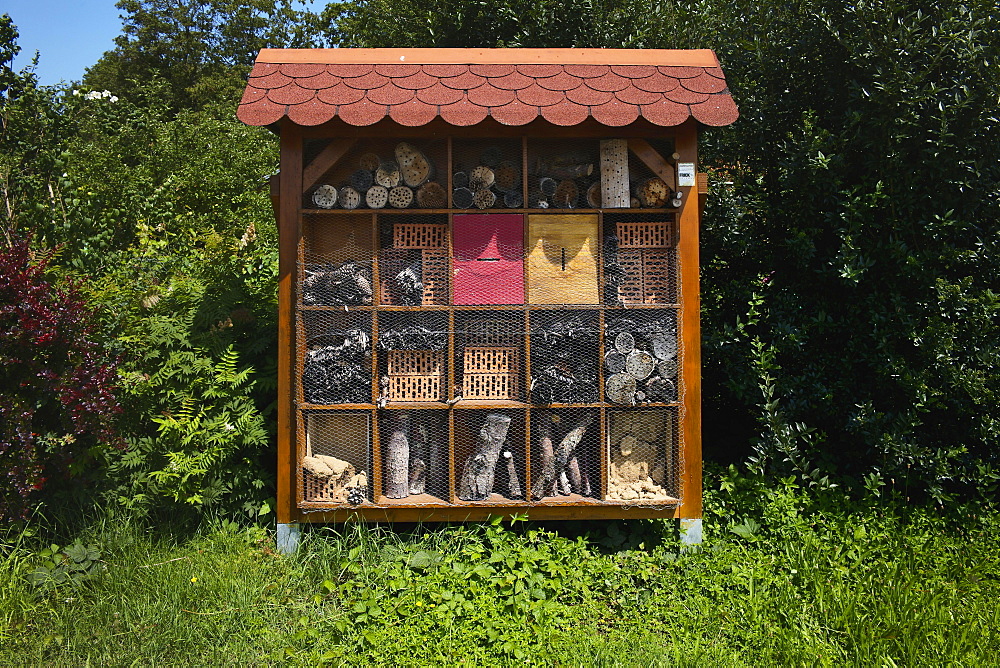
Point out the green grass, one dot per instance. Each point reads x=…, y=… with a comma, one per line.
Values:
x=803, y=580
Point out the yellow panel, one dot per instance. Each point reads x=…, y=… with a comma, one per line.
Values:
x=562, y=259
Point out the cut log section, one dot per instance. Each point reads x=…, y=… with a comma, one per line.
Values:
x=508, y=177
x=415, y=167
x=462, y=198
x=547, y=186
x=653, y=193
x=480, y=468
x=624, y=343
x=614, y=362
x=459, y=180
x=400, y=197
x=594, y=195
x=484, y=199
x=368, y=162
x=362, y=180
x=387, y=175
x=349, y=197
x=513, y=199
x=376, y=197
x=620, y=388
x=566, y=194
x=481, y=178
x=431, y=196
x=325, y=197
x=639, y=364
x=664, y=346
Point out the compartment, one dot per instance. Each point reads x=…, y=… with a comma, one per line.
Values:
x=488, y=259
x=643, y=464
x=413, y=352
x=337, y=253
x=487, y=174
x=564, y=357
x=565, y=454
x=641, y=357
x=489, y=355
x=562, y=259
x=334, y=466
x=564, y=174
x=490, y=463
x=376, y=174
x=413, y=260
x=414, y=456
x=640, y=259
x=335, y=359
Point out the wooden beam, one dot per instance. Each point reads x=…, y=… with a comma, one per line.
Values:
x=653, y=160
x=326, y=159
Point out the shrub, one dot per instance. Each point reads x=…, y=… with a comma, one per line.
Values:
x=57, y=403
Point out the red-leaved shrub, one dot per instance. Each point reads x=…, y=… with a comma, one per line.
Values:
x=56, y=382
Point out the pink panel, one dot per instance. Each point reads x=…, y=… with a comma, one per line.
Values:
x=489, y=259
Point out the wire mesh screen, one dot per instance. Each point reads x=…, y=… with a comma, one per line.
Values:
x=640, y=259
x=335, y=463
x=473, y=346
x=564, y=357
x=490, y=355
x=414, y=457
x=641, y=357
x=644, y=462
x=412, y=359
x=335, y=357
x=565, y=454
x=376, y=174
x=413, y=260
x=564, y=174
x=490, y=461
x=487, y=174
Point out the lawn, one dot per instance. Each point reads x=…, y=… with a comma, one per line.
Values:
x=785, y=577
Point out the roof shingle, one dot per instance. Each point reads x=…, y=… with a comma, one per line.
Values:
x=465, y=86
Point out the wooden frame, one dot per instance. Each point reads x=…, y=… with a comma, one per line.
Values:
x=295, y=178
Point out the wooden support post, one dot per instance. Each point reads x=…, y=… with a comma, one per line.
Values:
x=289, y=232
x=687, y=146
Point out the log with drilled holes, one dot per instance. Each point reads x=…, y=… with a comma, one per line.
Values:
x=415, y=167
x=653, y=193
x=400, y=197
x=387, y=175
x=376, y=197
x=349, y=197
x=484, y=199
x=368, y=161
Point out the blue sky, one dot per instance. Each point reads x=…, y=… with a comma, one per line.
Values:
x=70, y=35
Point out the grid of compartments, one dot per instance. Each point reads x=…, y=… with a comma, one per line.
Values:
x=480, y=351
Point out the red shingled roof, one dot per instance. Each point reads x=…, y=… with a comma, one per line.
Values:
x=615, y=87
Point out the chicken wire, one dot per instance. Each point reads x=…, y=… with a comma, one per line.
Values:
x=459, y=384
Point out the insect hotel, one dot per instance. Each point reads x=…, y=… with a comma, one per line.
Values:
x=488, y=281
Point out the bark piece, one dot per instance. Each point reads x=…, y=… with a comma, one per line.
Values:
x=545, y=482
x=513, y=483
x=479, y=470
x=397, y=459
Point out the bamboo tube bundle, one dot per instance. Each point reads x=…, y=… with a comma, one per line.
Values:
x=376, y=197
x=387, y=175
x=431, y=196
x=400, y=197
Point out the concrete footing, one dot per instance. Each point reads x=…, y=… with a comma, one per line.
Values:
x=288, y=538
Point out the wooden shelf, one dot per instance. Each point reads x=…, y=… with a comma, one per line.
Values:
x=431, y=212
x=330, y=407
x=489, y=403
x=414, y=405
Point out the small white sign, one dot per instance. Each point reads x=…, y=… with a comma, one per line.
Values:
x=685, y=175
